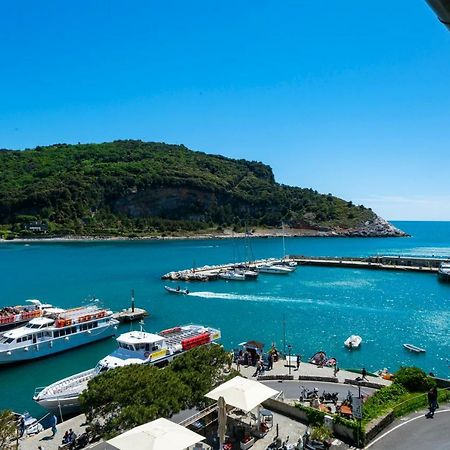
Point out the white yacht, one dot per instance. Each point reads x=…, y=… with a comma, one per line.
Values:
x=274, y=268
x=135, y=347
x=45, y=336
x=232, y=275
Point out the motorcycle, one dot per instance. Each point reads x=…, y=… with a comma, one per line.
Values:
x=285, y=445
x=329, y=397
x=306, y=394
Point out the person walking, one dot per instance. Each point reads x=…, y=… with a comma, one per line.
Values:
x=269, y=361
x=364, y=374
x=432, y=402
x=298, y=361
x=54, y=422
x=335, y=369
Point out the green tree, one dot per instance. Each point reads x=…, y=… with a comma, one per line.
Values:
x=130, y=396
x=8, y=429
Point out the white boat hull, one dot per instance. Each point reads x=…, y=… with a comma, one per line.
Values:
x=353, y=342
x=56, y=345
x=276, y=270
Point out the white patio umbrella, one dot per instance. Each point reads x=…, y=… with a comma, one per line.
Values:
x=161, y=434
x=242, y=393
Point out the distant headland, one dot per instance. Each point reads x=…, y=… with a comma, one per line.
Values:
x=134, y=190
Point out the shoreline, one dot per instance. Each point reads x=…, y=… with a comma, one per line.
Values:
x=268, y=234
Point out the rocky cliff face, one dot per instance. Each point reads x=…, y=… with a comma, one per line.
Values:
x=378, y=227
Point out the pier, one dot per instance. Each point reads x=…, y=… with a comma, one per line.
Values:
x=397, y=263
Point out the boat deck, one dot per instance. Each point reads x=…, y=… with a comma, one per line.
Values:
x=176, y=337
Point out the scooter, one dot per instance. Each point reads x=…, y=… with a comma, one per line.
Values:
x=306, y=394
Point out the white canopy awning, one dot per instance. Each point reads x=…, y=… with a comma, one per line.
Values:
x=161, y=434
x=242, y=393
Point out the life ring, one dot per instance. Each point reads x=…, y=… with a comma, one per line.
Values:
x=147, y=354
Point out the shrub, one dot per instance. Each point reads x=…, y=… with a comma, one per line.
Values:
x=321, y=433
x=413, y=379
x=315, y=417
x=382, y=401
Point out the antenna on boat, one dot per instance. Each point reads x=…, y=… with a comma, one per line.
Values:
x=132, y=300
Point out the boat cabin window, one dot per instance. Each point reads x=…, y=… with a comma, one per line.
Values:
x=88, y=326
x=5, y=340
x=64, y=331
x=33, y=325
x=24, y=338
x=155, y=347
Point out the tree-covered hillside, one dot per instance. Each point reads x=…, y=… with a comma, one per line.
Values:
x=134, y=187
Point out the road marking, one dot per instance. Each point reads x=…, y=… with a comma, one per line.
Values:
x=400, y=425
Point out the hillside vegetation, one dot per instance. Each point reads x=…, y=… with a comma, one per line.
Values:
x=134, y=187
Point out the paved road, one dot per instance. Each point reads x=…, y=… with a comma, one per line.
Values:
x=291, y=389
x=415, y=432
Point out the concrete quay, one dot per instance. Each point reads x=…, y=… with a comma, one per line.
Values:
x=45, y=439
x=309, y=372
x=397, y=263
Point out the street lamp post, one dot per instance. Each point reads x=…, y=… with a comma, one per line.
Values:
x=289, y=358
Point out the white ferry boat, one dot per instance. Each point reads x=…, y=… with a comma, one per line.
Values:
x=17, y=316
x=135, y=347
x=45, y=336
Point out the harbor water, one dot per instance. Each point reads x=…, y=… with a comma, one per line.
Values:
x=321, y=306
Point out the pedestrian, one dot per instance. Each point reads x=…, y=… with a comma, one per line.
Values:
x=298, y=361
x=54, y=421
x=22, y=426
x=238, y=364
x=364, y=374
x=269, y=361
x=335, y=369
x=432, y=402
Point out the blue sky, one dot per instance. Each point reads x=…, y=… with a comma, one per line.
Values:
x=347, y=97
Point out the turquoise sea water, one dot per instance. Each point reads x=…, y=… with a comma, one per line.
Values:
x=322, y=306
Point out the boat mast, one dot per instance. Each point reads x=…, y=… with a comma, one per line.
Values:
x=132, y=300
x=284, y=243
x=284, y=333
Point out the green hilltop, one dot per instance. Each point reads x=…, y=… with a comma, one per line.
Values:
x=142, y=188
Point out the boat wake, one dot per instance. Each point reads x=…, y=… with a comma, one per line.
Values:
x=298, y=301
x=257, y=298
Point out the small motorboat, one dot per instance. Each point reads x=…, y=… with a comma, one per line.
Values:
x=27, y=424
x=353, y=341
x=319, y=358
x=413, y=348
x=176, y=290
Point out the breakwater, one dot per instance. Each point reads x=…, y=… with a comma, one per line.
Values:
x=398, y=263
